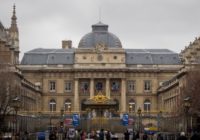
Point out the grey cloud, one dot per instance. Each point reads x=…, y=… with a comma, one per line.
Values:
x=138, y=23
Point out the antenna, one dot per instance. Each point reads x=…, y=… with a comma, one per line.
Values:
x=99, y=14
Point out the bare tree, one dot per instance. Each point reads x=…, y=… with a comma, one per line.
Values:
x=8, y=90
x=191, y=90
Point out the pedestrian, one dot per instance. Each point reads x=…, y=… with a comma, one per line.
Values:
x=134, y=136
x=83, y=135
x=195, y=136
x=159, y=137
x=77, y=135
x=108, y=136
x=126, y=135
x=52, y=135
x=101, y=134
x=137, y=135
x=25, y=136
x=182, y=136
x=145, y=136
x=93, y=135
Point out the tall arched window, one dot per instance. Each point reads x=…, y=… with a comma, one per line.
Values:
x=147, y=105
x=67, y=105
x=52, y=105
x=131, y=105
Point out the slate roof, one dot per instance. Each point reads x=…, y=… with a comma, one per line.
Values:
x=152, y=57
x=99, y=35
x=3, y=35
x=133, y=57
x=42, y=56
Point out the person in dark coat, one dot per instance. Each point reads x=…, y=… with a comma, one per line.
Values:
x=126, y=135
x=134, y=136
x=159, y=137
x=52, y=136
x=145, y=136
x=137, y=135
x=101, y=134
x=25, y=136
x=182, y=136
x=195, y=136
x=108, y=136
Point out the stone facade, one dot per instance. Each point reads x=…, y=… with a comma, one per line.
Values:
x=70, y=77
x=77, y=80
x=171, y=94
x=28, y=94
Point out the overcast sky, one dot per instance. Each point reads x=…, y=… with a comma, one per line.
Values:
x=168, y=24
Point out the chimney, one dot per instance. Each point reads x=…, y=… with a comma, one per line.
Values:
x=66, y=44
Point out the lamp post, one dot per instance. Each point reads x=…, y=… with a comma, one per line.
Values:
x=61, y=117
x=39, y=117
x=16, y=105
x=50, y=124
x=187, y=105
x=131, y=113
x=159, y=120
x=139, y=111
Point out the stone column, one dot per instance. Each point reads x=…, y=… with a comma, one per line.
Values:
x=76, y=96
x=108, y=87
x=123, y=95
x=91, y=88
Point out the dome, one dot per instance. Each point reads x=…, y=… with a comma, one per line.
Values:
x=99, y=35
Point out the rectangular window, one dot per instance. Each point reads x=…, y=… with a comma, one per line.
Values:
x=115, y=86
x=147, y=107
x=84, y=87
x=52, y=86
x=147, y=85
x=52, y=107
x=131, y=86
x=68, y=86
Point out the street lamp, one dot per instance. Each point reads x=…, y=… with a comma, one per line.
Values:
x=159, y=120
x=39, y=117
x=61, y=117
x=187, y=105
x=131, y=113
x=139, y=111
x=16, y=105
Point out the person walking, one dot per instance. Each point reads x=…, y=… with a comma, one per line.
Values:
x=134, y=136
x=159, y=137
x=101, y=134
x=52, y=136
x=108, y=136
x=137, y=135
x=195, y=136
x=182, y=136
x=145, y=136
x=25, y=136
x=126, y=135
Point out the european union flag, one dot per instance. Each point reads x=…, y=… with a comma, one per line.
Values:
x=75, y=119
x=125, y=119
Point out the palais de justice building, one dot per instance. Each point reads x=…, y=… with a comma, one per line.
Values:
x=100, y=76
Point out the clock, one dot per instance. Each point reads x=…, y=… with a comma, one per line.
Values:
x=99, y=57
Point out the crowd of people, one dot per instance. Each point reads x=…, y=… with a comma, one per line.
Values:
x=127, y=135
x=79, y=134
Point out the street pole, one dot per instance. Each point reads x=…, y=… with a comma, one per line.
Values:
x=187, y=105
x=50, y=122
x=16, y=121
x=16, y=105
x=139, y=118
x=159, y=120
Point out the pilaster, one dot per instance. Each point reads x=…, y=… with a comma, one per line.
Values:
x=108, y=87
x=123, y=95
x=76, y=96
x=91, y=88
